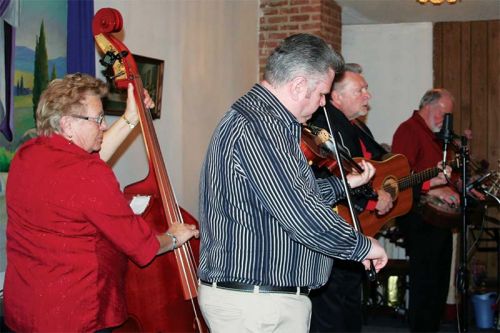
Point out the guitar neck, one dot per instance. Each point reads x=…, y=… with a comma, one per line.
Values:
x=420, y=177
x=417, y=178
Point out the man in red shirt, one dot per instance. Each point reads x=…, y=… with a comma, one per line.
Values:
x=428, y=246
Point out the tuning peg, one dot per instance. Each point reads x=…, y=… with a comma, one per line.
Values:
x=110, y=58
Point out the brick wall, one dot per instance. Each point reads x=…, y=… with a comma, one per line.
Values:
x=282, y=18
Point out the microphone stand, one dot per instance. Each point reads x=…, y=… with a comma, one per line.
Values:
x=462, y=274
x=446, y=134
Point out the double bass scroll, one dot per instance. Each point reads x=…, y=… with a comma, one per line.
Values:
x=161, y=297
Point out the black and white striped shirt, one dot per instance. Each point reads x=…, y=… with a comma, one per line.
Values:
x=264, y=218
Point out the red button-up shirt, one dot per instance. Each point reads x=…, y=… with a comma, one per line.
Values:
x=69, y=233
x=419, y=144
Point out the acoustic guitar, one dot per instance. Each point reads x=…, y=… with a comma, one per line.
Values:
x=393, y=176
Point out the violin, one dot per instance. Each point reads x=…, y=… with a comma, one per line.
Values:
x=310, y=144
x=320, y=149
x=316, y=146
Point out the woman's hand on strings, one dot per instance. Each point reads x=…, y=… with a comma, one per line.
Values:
x=184, y=232
x=181, y=232
x=131, y=111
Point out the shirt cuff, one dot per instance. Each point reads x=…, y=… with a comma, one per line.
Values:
x=426, y=186
x=362, y=248
x=331, y=189
x=371, y=205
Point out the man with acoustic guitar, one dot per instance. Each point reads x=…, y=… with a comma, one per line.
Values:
x=429, y=246
x=337, y=305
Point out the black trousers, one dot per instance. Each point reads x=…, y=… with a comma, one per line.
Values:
x=336, y=307
x=430, y=250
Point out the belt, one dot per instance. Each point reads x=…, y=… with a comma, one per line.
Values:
x=250, y=288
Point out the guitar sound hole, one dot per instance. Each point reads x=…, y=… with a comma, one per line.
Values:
x=390, y=185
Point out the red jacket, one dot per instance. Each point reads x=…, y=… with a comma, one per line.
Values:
x=69, y=234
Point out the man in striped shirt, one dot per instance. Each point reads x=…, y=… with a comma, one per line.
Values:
x=268, y=233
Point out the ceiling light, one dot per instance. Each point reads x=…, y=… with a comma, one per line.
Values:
x=437, y=2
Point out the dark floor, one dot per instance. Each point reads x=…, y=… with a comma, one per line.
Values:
x=383, y=319
x=387, y=321
x=391, y=324
x=399, y=327
x=378, y=317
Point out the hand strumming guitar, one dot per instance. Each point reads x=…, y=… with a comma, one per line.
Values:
x=384, y=202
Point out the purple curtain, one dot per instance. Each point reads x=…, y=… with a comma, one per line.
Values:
x=3, y=5
x=81, y=47
x=9, y=38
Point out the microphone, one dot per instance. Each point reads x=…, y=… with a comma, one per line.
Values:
x=446, y=134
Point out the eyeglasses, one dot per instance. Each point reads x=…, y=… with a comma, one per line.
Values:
x=99, y=119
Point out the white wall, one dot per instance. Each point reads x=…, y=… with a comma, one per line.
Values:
x=397, y=64
x=210, y=49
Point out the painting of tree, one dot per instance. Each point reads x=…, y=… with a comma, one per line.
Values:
x=40, y=44
x=41, y=72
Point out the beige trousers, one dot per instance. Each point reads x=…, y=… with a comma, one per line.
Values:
x=227, y=311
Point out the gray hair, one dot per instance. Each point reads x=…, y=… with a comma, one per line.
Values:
x=431, y=96
x=301, y=55
x=353, y=68
x=64, y=97
x=350, y=67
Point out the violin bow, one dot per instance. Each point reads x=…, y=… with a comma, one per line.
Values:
x=371, y=273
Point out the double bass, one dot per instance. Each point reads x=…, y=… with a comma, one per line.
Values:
x=161, y=297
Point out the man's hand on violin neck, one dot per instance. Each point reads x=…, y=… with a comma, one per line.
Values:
x=356, y=179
